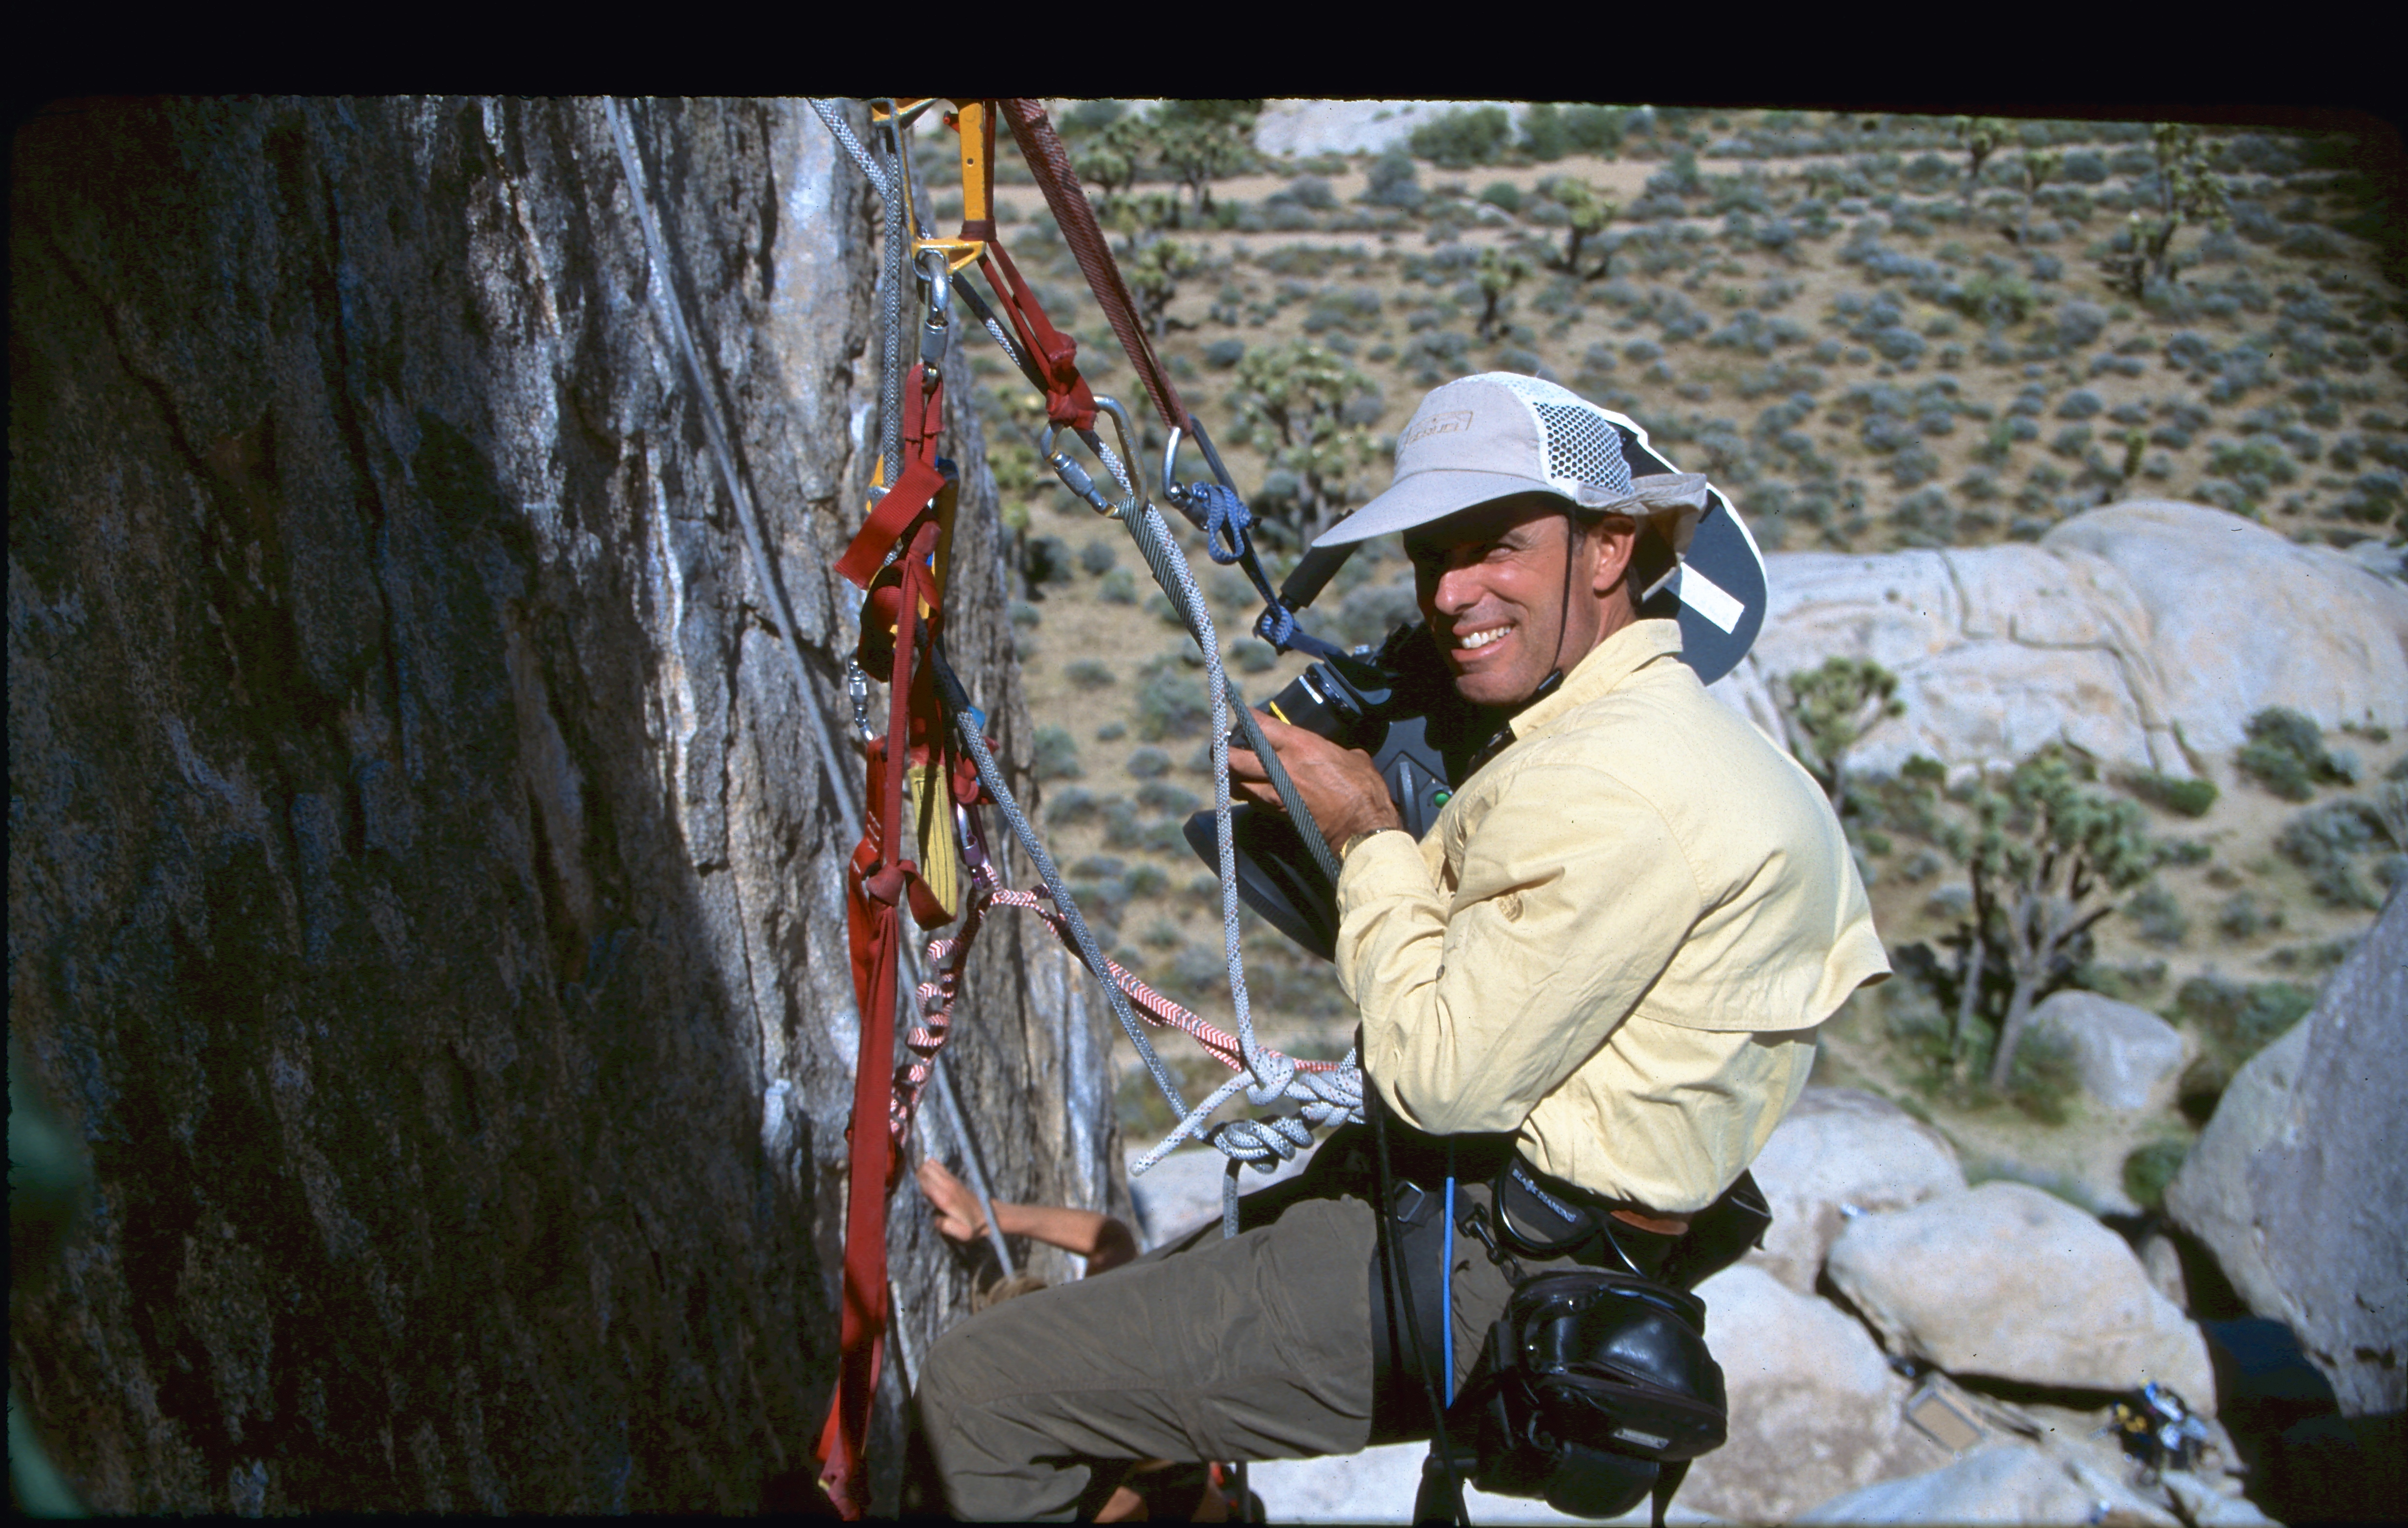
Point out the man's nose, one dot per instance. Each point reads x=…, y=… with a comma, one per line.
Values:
x=1458, y=590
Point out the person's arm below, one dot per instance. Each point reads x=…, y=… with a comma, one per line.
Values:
x=1099, y=1238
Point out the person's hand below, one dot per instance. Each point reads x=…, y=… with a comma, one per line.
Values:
x=956, y=1207
x=1339, y=786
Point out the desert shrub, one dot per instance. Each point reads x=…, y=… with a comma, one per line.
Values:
x=2159, y=916
x=2084, y=167
x=2043, y=1078
x=2190, y=798
x=1146, y=880
x=2326, y=842
x=2078, y=323
x=1253, y=655
x=1162, y=934
x=1044, y=560
x=2286, y=754
x=1148, y=763
x=1502, y=194
x=2235, y=1020
x=1098, y=558
x=1368, y=614
x=1054, y=755
x=1111, y=731
x=1171, y=702
x=1463, y=137
x=1221, y=355
x=1164, y=799
x=2079, y=404
x=1393, y=182
x=1074, y=805
x=2150, y=1168
x=1592, y=129
x=2245, y=914
x=1994, y=299
x=1118, y=587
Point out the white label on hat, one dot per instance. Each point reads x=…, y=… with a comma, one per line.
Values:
x=1710, y=600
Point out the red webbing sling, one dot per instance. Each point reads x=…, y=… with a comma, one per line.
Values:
x=881, y=874
x=1049, y=162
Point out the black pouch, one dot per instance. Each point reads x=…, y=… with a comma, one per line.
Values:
x=1596, y=1389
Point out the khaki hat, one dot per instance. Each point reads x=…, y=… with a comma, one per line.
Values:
x=1491, y=436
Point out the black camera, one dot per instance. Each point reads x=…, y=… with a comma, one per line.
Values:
x=1397, y=704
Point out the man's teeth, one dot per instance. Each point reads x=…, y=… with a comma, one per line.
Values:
x=1482, y=639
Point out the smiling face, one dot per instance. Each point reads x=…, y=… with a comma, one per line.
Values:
x=1506, y=610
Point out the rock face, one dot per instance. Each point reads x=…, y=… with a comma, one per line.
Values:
x=2297, y=1184
x=2127, y=1057
x=1839, y=1151
x=424, y=888
x=2008, y=1282
x=2008, y=1482
x=2114, y=633
x=1814, y=1409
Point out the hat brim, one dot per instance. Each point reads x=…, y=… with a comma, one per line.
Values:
x=1427, y=496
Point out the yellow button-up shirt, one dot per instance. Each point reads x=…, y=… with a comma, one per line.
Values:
x=1618, y=939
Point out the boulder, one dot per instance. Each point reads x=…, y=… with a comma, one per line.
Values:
x=2327, y=633
x=2127, y=1057
x=2298, y=1181
x=2113, y=633
x=2006, y=1482
x=2005, y=1281
x=1306, y=128
x=1840, y=1151
x=1814, y=1409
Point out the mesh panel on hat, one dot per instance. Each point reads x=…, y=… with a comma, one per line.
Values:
x=1580, y=443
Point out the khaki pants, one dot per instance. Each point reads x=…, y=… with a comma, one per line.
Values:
x=1256, y=1347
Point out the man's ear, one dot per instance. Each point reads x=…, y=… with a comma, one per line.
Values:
x=1611, y=541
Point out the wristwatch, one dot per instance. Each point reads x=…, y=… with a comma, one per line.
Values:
x=1348, y=847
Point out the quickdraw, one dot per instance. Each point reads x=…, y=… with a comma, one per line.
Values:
x=922, y=843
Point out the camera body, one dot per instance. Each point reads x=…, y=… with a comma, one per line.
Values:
x=1397, y=704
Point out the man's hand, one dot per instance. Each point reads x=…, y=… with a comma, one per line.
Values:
x=1339, y=786
x=956, y=1207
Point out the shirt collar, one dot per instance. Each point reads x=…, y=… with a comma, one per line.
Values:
x=1608, y=665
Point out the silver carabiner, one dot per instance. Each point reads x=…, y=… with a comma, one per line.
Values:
x=1132, y=464
x=1074, y=477
x=936, y=322
x=1171, y=488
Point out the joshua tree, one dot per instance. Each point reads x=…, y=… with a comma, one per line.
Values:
x=1115, y=155
x=1497, y=275
x=1982, y=138
x=1155, y=271
x=1199, y=140
x=1826, y=710
x=2047, y=859
x=1590, y=213
x=1291, y=404
x=2036, y=168
x=2187, y=190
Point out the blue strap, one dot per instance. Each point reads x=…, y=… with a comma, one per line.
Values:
x=1227, y=520
x=1446, y=1283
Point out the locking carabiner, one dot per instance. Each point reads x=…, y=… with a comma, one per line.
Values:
x=1082, y=482
x=937, y=319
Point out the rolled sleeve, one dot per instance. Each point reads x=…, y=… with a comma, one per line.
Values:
x=1571, y=899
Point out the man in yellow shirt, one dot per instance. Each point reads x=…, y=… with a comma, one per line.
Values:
x=1606, y=961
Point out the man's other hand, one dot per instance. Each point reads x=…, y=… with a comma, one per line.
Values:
x=1339, y=786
